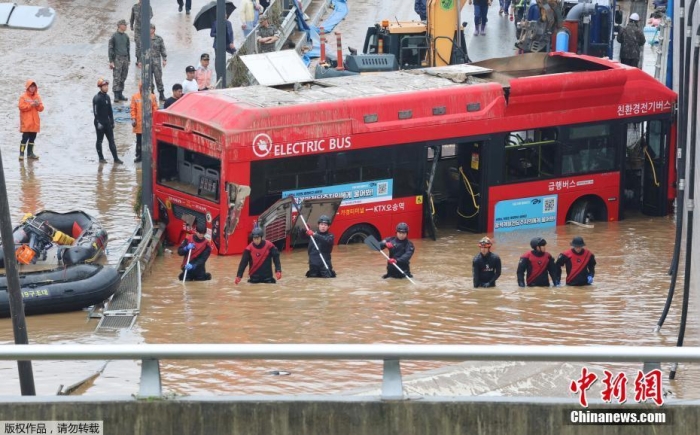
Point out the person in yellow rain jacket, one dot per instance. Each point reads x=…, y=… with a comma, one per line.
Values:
x=137, y=116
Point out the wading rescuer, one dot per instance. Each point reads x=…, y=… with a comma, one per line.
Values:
x=259, y=255
x=324, y=241
x=486, y=265
x=196, y=247
x=537, y=264
x=400, y=252
x=580, y=263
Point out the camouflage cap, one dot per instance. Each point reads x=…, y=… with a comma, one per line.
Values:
x=121, y=23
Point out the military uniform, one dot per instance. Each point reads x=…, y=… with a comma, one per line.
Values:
x=135, y=24
x=119, y=55
x=265, y=32
x=158, y=55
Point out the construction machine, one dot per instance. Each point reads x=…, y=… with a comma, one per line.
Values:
x=393, y=44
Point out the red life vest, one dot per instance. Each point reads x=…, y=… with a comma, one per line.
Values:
x=578, y=263
x=258, y=255
x=199, y=247
x=538, y=265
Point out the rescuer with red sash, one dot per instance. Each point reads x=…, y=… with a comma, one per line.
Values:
x=259, y=255
x=580, y=263
x=537, y=263
x=195, y=247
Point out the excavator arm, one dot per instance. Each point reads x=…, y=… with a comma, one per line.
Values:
x=444, y=23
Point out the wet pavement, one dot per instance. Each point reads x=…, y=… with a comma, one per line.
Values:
x=621, y=308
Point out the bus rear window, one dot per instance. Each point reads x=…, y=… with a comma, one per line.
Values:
x=188, y=171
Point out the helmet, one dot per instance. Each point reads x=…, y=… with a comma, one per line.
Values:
x=257, y=232
x=577, y=242
x=402, y=227
x=485, y=242
x=101, y=82
x=323, y=219
x=201, y=227
x=537, y=241
x=634, y=17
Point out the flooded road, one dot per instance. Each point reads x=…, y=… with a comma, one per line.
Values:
x=357, y=307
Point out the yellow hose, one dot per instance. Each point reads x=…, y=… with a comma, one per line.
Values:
x=653, y=170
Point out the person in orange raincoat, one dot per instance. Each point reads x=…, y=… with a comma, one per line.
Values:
x=30, y=105
x=136, y=117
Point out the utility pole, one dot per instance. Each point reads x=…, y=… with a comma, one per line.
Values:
x=220, y=50
x=146, y=122
x=19, y=323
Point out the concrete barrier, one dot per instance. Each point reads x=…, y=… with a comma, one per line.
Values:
x=338, y=416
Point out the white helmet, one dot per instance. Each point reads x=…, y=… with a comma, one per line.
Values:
x=634, y=17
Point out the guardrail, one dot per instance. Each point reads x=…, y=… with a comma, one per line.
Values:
x=390, y=354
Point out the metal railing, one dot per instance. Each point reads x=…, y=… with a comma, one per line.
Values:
x=390, y=354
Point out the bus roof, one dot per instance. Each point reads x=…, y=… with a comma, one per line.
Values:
x=511, y=84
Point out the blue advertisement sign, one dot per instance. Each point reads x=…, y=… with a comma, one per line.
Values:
x=352, y=193
x=526, y=213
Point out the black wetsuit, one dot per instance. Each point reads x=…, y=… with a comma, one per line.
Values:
x=198, y=258
x=579, y=266
x=402, y=251
x=537, y=265
x=260, y=258
x=325, y=243
x=486, y=269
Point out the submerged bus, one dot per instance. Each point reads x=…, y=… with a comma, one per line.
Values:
x=531, y=141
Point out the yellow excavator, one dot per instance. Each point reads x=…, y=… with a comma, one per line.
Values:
x=437, y=41
x=392, y=45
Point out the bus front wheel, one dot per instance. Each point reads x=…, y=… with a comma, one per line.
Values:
x=358, y=234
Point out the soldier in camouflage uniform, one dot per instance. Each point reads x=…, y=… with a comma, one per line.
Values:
x=267, y=35
x=135, y=24
x=632, y=40
x=119, y=57
x=158, y=53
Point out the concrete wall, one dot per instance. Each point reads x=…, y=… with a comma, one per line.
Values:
x=331, y=416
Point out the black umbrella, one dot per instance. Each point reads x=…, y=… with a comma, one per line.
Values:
x=207, y=15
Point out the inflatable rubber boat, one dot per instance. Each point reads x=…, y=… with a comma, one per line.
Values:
x=59, y=290
x=58, y=239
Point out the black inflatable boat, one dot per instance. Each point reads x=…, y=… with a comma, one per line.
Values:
x=58, y=239
x=66, y=289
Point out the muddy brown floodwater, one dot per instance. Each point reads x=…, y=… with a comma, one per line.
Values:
x=357, y=307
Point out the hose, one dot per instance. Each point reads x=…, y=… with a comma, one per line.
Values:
x=684, y=68
x=691, y=193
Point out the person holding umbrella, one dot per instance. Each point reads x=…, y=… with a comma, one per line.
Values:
x=206, y=19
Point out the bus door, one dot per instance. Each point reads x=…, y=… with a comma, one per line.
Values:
x=470, y=161
x=429, y=212
x=655, y=173
x=236, y=196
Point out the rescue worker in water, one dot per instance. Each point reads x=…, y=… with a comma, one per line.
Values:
x=537, y=263
x=259, y=255
x=486, y=265
x=197, y=247
x=324, y=241
x=580, y=264
x=400, y=252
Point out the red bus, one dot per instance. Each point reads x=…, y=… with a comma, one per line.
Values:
x=529, y=141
